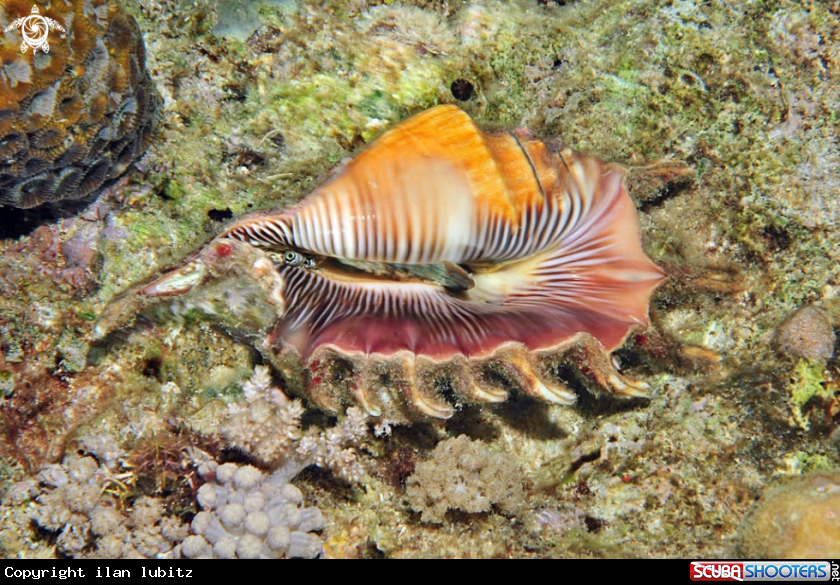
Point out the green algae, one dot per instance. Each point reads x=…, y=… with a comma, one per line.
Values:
x=807, y=381
x=7, y=383
x=806, y=462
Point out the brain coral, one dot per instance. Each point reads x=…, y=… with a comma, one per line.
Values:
x=78, y=114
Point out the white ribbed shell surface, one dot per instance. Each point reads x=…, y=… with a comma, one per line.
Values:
x=550, y=240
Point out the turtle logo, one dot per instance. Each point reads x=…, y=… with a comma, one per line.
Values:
x=35, y=29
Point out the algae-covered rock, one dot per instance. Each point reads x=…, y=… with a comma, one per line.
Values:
x=7, y=382
x=799, y=520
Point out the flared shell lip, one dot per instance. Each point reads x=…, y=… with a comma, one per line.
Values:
x=487, y=354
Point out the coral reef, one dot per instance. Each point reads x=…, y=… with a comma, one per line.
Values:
x=78, y=506
x=266, y=425
x=463, y=475
x=76, y=115
x=145, y=533
x=746, y=94
x=797, y=520
x=248, y=515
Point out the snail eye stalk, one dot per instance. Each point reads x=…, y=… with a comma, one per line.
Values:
x=292, y=258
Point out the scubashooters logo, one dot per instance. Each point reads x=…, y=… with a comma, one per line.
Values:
x=760, y=571
x=35, y=30
x=717, y=571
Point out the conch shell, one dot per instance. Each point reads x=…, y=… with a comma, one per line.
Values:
x=444, y=260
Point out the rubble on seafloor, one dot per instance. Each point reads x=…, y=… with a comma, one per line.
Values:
x=107, y=446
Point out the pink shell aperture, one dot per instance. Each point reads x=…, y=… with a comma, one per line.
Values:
x=444, y=260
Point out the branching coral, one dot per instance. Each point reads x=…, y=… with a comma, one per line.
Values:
x=267, y=426
x=267, y=423
x=333, y=448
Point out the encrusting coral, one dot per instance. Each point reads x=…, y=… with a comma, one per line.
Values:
x=77, y=113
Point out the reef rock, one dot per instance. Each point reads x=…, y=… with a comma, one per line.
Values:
x=799, y=520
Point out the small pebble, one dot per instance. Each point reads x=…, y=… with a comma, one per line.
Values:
x=806, y=333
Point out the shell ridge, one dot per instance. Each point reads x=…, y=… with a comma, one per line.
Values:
x=268, y=232
x=530, y=161
x=365, y=223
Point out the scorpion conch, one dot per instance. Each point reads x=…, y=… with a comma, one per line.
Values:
x=443, y=265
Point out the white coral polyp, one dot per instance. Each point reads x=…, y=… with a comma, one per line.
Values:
x=246, y=477
x=225, y=548
x=257, y=523
x=224, y=473
x=232, y=516
x=196, y=547
x=278, y=538
x=207, y=496
x=248, y=514
x=303, y=545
